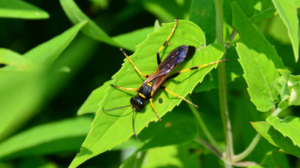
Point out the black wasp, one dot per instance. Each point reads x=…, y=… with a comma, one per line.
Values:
x=154, y=81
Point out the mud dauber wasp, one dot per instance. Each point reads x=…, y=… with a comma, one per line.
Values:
x=154, y=81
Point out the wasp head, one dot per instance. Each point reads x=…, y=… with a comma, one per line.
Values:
x=137, y=103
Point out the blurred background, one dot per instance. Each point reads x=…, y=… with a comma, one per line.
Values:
x=92, y=63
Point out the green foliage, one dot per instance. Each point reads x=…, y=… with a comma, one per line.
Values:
x=289, y=127
x=106, y=125
x=20, y=10
x=288, y=86
x=55, y=140
x=288, y=13
x=269, y=161
x=44, y=82
x=259, y=61
x=276, y=138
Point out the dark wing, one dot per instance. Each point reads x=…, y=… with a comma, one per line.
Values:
x=175, y=57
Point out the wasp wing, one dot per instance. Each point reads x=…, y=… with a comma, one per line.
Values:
x=175, y=57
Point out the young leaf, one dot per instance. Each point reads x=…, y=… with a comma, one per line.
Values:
x=288, y=13
x=259, y=61
x=289, y=127
x=46, y=139
x=21, y=10
x=275, y=138
x=114, y=127
x=12, y=58
x=281, y=85
x=91, y=105
x=294, y=88
x=47, y=52
x=91, y=29
x=289, y=88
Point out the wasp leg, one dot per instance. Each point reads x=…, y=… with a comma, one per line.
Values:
x=145, y=75
x=124, y=88
x=193, y=68
x=166, y=42
x=166, y=89
x=151, y=102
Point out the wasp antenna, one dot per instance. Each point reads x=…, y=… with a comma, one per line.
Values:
x=133, y=126
x=115, y=108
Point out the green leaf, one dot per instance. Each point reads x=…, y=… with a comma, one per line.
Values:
x=203, y=13
x=257, y=10
x=91, y=105
x=37, y=162
x=175, y=134
x=112, y=128
x=233, y=71
x=44, y=139
x=131, y=40
x=269, y=161
x=134, y=161
x=12, y=58
x=21, y=10
x=276, y=138
x=91, y=29
x=297, y=3
x=259, y=61
x=289, y=127
x=288, y=13
x=48, y=52
x=167, y=10
x=256, y=166
x=171, y=156
x=23, y=88
x=172, y=134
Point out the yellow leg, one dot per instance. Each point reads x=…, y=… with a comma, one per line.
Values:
x=180, y=97
x=151, y=102
x=169, y=36
x=204, y=65
x=145, y=75
x=124, y=88
x=193, y=68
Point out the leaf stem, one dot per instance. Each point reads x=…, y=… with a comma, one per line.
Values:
x=204, y=128
x=222, y=86
x=247, y=151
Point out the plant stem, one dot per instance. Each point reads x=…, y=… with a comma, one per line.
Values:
x=247, y=151
x=254, y=142
x=276, y=112
x=204, y=128
x=207, y=145
x=222, y=86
